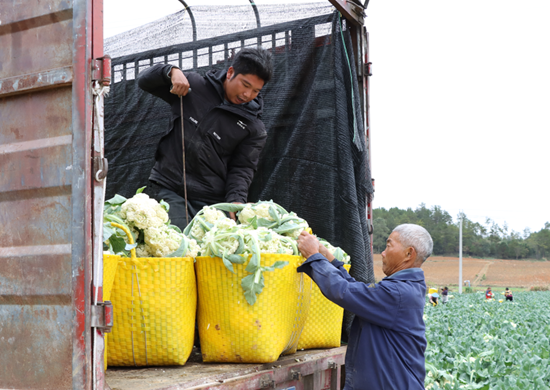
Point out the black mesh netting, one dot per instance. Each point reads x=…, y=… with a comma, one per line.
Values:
x=315, y=159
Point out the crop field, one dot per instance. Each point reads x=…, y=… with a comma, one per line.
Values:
x=441, y=271
x=479, y=344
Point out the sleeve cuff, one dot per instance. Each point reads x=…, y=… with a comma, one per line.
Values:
x=169, y=69
x=311, y=259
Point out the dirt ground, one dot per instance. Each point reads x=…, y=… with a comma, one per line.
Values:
x=442, y=271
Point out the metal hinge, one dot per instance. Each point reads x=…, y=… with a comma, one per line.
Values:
x=102, y=316
x=368, y=68
x=100, y=168
x=101, y=70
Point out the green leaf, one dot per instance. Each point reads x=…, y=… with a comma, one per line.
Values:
x=252, y=285
x=128, y=247
x=229, y=207
x=176, y=228
x=165, y=205
x=228, y=264
x=236, y=259
x=140, y=190
x=116, y=200
x=117, y=244
x=253, y=264
x=254, y=222
x=241, y=247
x=108, y=231
x=262, y=222
x=267, y=237
x=182, y=250
x=277, y=264
x=273, y=213
x=339, y=254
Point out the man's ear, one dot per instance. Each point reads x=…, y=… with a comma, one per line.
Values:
x=410, y=254
x=230, y=73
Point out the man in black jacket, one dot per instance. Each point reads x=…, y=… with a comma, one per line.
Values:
x=224, y=134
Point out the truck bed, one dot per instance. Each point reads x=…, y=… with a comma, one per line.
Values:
x=316, y=369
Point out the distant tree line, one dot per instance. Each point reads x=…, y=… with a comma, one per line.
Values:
x=478, y=240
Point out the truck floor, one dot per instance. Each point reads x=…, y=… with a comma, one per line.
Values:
x=291, y=370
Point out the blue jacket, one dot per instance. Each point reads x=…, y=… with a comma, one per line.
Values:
x=387, y=338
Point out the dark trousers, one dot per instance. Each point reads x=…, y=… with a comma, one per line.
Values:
x=509, y=298
x=176, y=213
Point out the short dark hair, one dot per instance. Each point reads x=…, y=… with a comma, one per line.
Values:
x=254, y=61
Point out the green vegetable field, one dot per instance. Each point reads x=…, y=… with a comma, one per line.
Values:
x=478, y=344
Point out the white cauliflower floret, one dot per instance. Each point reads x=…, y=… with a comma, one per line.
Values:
x=212, y=239
x=211, y=214
x=250, y=211
x=225, y=223
x=193, y=249
x=274, y=244
x=162, y=241
x=142, y=251
x=197, y=232
x=143, y=212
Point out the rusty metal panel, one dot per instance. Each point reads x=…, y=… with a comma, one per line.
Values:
x=45, y=189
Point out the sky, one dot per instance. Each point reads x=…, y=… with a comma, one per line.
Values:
x=459, y=102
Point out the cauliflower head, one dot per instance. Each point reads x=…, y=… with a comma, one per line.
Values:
x=250, y=211
x=162, y=241
x=193, y=249
x=143, y=212
x=211, y=214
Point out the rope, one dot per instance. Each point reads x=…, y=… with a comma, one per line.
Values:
x=351, y=85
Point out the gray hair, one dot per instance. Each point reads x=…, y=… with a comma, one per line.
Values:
x=417, y=237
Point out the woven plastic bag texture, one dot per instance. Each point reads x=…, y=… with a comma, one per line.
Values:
x=231, y=330
x=110, y=265
x=323, y=327
x=154, y=301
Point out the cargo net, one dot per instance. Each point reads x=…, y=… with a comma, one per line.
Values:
x=315, y=160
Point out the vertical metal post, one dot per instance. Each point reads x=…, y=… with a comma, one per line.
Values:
x=460, y=256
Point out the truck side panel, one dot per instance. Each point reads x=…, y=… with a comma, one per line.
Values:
x=45, y=239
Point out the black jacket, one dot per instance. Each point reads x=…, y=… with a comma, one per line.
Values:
x=223, y=141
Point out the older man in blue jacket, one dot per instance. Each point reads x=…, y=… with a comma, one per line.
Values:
x=387, y=338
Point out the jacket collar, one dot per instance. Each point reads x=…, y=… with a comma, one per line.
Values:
x=253, y=108
x=410, y=274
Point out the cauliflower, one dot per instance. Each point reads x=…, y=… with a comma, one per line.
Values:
x=212, y=214
x=337, y=252
x=271, y=242
x=260, y=210
x=197, y=232
x=143, y=212
x=225, y=223
x=193, y=249
x=142, y=251
x=217, y=241
x=162, y=241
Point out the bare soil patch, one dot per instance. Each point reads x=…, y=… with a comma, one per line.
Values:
x=442, y=271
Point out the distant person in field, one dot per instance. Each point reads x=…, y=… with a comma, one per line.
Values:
x=489, y=294
x=508, y=295
x=387, y=338
x=433, y=297
x=444, y=295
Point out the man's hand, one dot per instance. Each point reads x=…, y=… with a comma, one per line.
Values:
x=180, y=84
x=308, y=244
x=233, y=215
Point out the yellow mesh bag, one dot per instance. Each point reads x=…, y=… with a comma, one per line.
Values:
x=110, y=265
x=233, y=331
x=154, y=302
x=323, y=327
